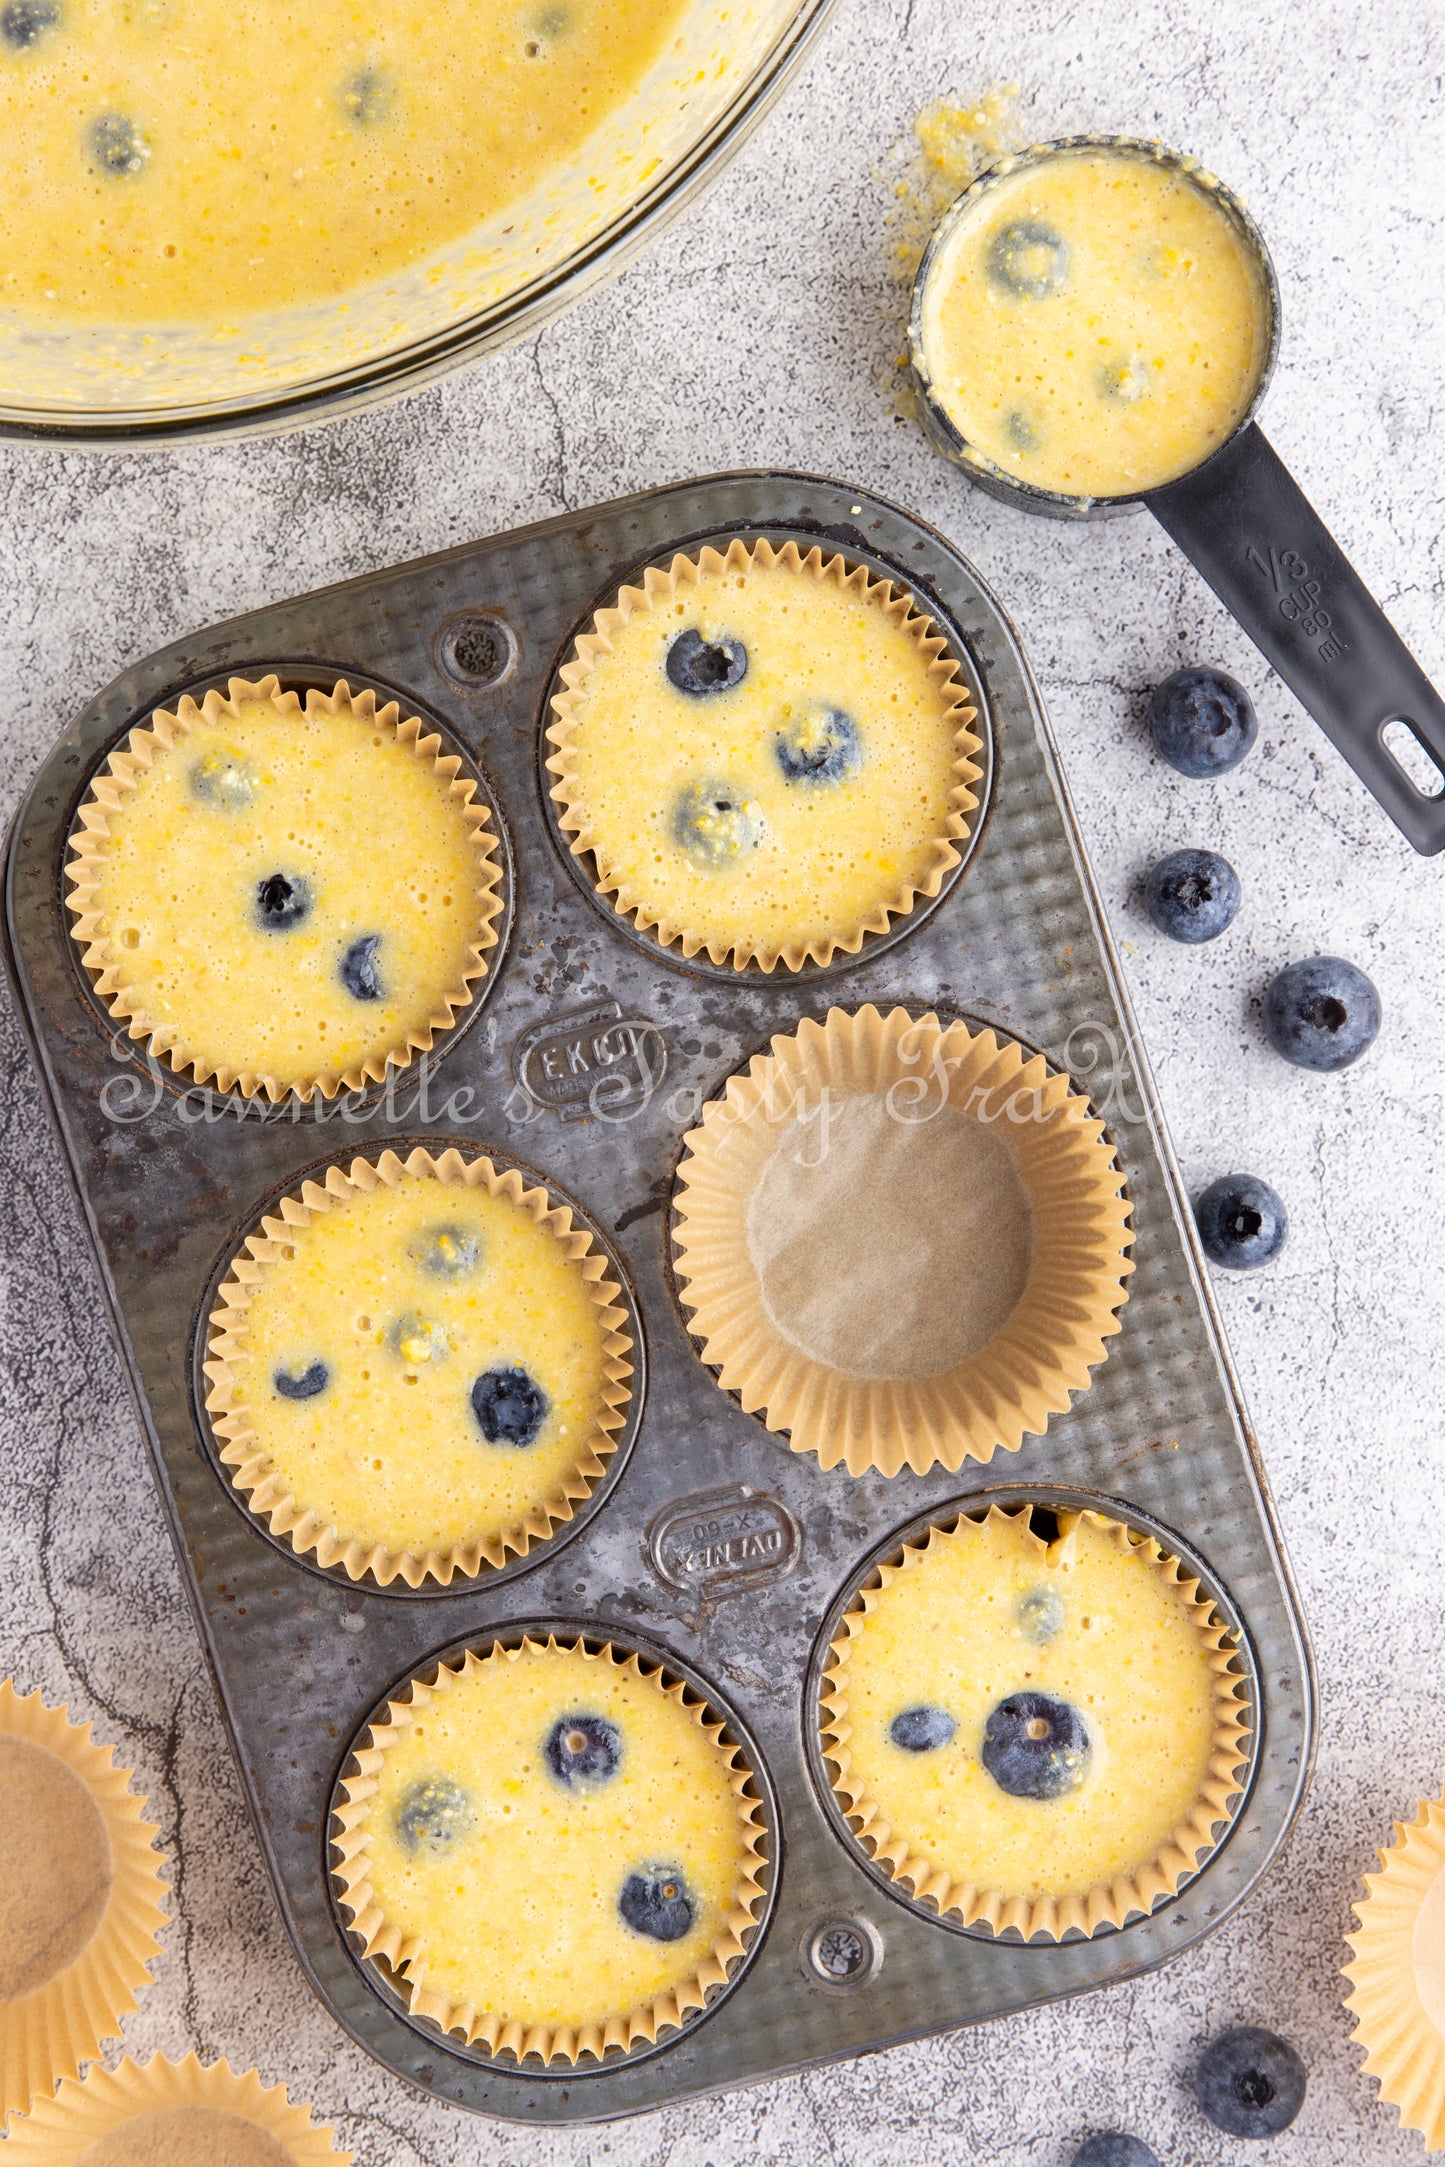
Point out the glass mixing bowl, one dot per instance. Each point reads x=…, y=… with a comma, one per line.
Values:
x=495, y=287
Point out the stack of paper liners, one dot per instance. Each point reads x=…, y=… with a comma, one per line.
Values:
x=656, y=590
x=104, y=961
x=1398, y=1973
x=500, y=2034
x=241, y=1451
x=1044, y=1349
x=185, y=2111
x=76, y=1956
x=1092, y=1910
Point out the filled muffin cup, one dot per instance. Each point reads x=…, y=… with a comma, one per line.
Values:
x=162, y=2110
x=1033, y=1722
x=1397, y=1973
x=901, y=1242
x=601, y=1824
x=81, y=1908
x=418, y=1369
x=283, y=900
x=764, y=758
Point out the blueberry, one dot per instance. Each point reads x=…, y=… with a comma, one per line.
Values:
x=510, y=1409
x=223, y=781
x=1202, y=722
x=1023, y=432
x=418, y=1342
x=819, y=746
x=1193, y=895
x=1029, y=259
x=366, y=99
x=117, y=145
x=698, y=666
x=1111, y=2148
x=282, y=902
x=447, y=1252
x=1242, y=1223
x=1250, y=2082
x=714, y=822
x=1040, y=1616
x=1035, y=1746
x=302, y=1384
x=1125, y=382
x=435, y=1816
x=1322, y=1014
x=25, y=21
x=922, y=1730
x=583, y=1750
x=656, y=1903
x=359, y=973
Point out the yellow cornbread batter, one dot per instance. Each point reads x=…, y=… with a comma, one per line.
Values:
x=423, y=1367
x=1091, y=1665
x=180, y=161
x=765, y=759
x=283, y=896
x=1094, y=323
x=558, y=1840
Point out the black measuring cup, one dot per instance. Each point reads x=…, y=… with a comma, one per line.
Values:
x=1246, y=525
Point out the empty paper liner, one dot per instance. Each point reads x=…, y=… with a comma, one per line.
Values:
x=150, y=2114
x=1397, y=1973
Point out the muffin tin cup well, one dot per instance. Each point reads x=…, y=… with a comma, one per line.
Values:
x=487, y=1575
x=588, y=1062
x=1050, y=1500
x=382, y=1979
x=299, y=678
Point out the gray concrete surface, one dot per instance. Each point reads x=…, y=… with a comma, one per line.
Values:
x=757, y=333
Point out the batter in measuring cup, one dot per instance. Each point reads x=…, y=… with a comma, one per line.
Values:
x=1095, y=322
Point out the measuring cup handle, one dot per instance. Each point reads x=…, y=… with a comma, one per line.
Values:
x=1244, y=522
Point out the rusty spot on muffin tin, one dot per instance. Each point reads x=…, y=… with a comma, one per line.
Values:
x=170, y=1180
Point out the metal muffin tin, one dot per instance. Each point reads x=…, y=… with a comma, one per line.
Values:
x=709, y=1544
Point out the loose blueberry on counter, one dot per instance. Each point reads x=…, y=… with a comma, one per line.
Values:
x=447, y=1252
x=1202, y=721
x=223, y=781
x=819, y=746
x=1250, y=2082
x=1040, y=1616
x=302, y=1384
x=117, y=145
x=510, y=1408
x=657, y=1904
x=1035, y=1746
x=1321, y=1014
x=922, y=1730
x=282, y=902
x=583, y=1750
x=1193, y=895
x=714, y=822
x=1241, y=1221
x=360, y=972
x=25, y=21
x=435, y=1815
x=1029, y=259
x=1112, y=2148
x=698, y=666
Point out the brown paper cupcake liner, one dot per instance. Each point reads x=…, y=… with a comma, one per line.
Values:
x=1398, y=1973
x=47, y=2033
x=1043, y=1352
x=899, y=606
x=1110, y=1904
x=106, y=798
x=59, y=2131
x=245, y=1457
x=405, y=1953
